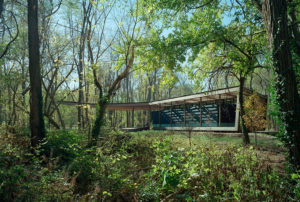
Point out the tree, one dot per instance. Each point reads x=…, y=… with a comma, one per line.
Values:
x=199, y=35
x=124, y=51
x=276, y=23
x=80, y=64
x=36, y=100
x=103, y=100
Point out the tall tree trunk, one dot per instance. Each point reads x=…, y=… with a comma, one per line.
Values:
x=14, y=112
x=87, y=94
x=275, y=17
x=246, y=139
x=80, y=92
x=150, y=80
x=1, y=9
x=23, y=81
x=154, y=84
x=9, y=95
x=80, y=115
x=37, y=125
x=127, y=100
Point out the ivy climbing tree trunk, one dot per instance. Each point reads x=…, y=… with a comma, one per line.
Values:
x=36, y=100
x=103, y=100
x=99, y=121
x=275, y=18
x=126, y=52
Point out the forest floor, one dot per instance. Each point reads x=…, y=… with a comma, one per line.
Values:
x=269, y=148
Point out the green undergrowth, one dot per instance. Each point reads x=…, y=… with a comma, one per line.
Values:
x=181, y=138
x=137, y=167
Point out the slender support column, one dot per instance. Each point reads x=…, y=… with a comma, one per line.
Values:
x=149, y=117
x=121, y=117
x=200, y=108
x=132, y=117
x=111, y=118
x=159, y=116
x=184, y=114
x=171, y=114
x=237, y=113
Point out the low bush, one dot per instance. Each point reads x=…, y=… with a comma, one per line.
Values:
x=211, y=173
x=28, y=177
x=63, y=145
x=113, y=169
x=136, y=168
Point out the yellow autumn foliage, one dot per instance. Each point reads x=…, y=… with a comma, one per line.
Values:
x=255, y=113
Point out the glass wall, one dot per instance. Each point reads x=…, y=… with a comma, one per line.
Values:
x=228, y=109
x=210, y=115
x=196, y=115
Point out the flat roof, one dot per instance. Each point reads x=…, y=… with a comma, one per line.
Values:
x=225, y=93
x=116, y=106
x=212, y=95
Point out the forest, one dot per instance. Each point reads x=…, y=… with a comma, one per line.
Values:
x=150, y=100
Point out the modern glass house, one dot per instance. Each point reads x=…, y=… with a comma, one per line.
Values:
x=215, y=110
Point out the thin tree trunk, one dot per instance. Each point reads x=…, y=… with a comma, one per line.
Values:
x=80, y=94
x=52, y=122
x=155, y=86
x=9, y=118
x=246, y=139
x=80, y=114
x=14, y=112
x=60, y=118
x=127, y=100
x=37, y=125
x=87, y=101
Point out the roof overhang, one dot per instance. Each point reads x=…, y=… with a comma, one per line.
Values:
x=228, y=93
x=208, y=96
x=129, y=106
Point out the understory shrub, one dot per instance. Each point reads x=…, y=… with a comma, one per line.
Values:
x=28, y=177
x=136, y=168
x=210, y=173
x=63, y=145
x=111, y=170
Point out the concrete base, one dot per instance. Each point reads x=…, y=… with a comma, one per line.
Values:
x=225, y=129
